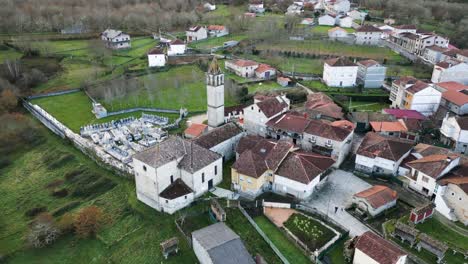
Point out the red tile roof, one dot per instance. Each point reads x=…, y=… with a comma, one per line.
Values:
x=379, y=249
x=374, y=145
x=323, y=104
x=344, y=124
x=322, y=129
x=417, y=87
x=272, y=106
x=378, y=195
x=195, y=130
x=432, y=165
x=304, y=166
x=368, y=28
x=263, y=68
x=289, y=122
x=177, y=42
x=403, y=113
x=216, y=27
x=456, y=97
x=458, y=176
x=385, y=126
x=452, y=86
x=244, y=63
x=340, y=62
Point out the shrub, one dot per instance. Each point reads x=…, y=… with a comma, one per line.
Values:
x=101, y=185
x=35, y=211
x=88, y=222
x=66, y=223
x=60, y=161
x=60, y=193
x=67, y=207
x=4, y=162
x=43, y=231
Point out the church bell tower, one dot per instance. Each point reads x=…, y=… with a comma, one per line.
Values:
x=215, y=94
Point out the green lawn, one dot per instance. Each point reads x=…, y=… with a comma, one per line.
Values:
x=412, y=70
x=253, y=241
x=289, y=250
x=309, y=231
x=316, y=85
x=366, y=106
x=443, y=233
x=216, y=42
x=336, y=254
x=324, y=47
x=74, y=110
x=7, y=53
x=290, y=64
x=264, y=86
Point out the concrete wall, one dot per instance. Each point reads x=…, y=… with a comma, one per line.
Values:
x=284, y=185
x=227, y=147
x=371, y=77
x=340, y=76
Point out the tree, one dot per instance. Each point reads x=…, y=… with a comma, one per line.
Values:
x=43, y=231
x=8, y=101
x=88, y=221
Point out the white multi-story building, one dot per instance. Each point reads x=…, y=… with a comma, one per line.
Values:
x=327, y=20
x=450, y=71
x=381, y=155
x=258, y=114
x=340, y=72
x=371, y=74
x=454, y=132
x=433, y=54
x=413, y=94
x=115, y=39
x=337, y=33
x=196, y=33
x=368, y=35
x=156, y=58
x=171, y=174
x=452, y=194
x=345, y=22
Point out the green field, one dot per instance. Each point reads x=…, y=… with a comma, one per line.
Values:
x=74, y=110
x=443, y=233
x=321, y=47
x=289, y=64
x=7, y=53
x=323, y=30
x=366, y=106
x=336, y=253
x=264, y=86
x=287, y=248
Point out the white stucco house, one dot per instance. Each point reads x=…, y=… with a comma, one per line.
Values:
x=413, y=94
x=454, y=133
x=337, y=33
x=115, y=39
x=341, y=6
x=375, y=200
x=345, y=22
x=196, y=33
x=176, y=47
x=371, y=74
x=381, y=155
x=327, y=20
x=258, y=114
x=357, y=15
x=368, y=35
x=450, y=71
x=156, y=58
x=171, y=174
x=217, y=30
x=373, y=249
x=340, y=72
x=242, y=68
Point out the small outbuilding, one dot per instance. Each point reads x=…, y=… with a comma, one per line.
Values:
x=375, y=200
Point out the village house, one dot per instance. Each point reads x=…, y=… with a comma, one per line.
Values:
x=196, y=33
x=341, y=6
x=425, y=172
x=454, y=133
x=329, y=139
x=420, y=151
x=368, y=35
x=284, y=81
x=115, y=39
x=413, y=94
x=371, y=74
x=277, y=166
x=218, y=244
x=171, y=174
x=375, y=200
x=340, y=72
x=381, y=155
x=195, y=130
x=321, y=106
x=416, y=42
x=217, y=30
x=408, y=129
x=345, y=22
x=362, y=120
x=176, y=47
x=258, y=114
x=242, y=68
x=462, y=55
x=450, y=71
x=434, y=54
x=386, y=31
x=337, y=33
x=327, y=20
x=156, y=58
x=222, y=140
x=454, y=98
x=372, y=249
x=265, y=72
x=357, y=15
x=256, y=6
x=452, y=195
x=404, y=114
x=405, y=29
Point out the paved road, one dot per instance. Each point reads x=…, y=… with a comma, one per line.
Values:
x=337, y=191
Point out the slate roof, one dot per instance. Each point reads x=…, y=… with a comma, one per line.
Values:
x=432, y=165
x=374, y=145
x=340, y=62
x=176, y=189
x=272, y=106
x=193, y=157
x=378, y=195
x=304, y=166
x=379, y=249
x=222, y=244
x=218, y=135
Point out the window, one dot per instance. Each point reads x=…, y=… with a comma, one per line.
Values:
x=216, y=170
x=453, y=194
x=203, y=177
x=172, y=178
x=241, y=178
x=249, y=180
x=251, y=108
x=185, y=197
x=144, y=167
x=425, y=179
x=167, y=201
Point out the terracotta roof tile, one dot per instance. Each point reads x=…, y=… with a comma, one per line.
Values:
x=452, y=86
x=404, y=113
x=324, y=105
x=272, y=106
x=374, y=145
x=263, y=68
x=456, y=97
x=218, y=135
x=195, y=129
x=379, y=249
x=340, y=62
x=322, y=129
x=394, y=126
x=289, y=122
x=417, y=87
x=432, y=165
x=378, y=195
x=303, y=166
x=463, y=122
x=368, y=28
x=216, y=27
x=244, y=63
